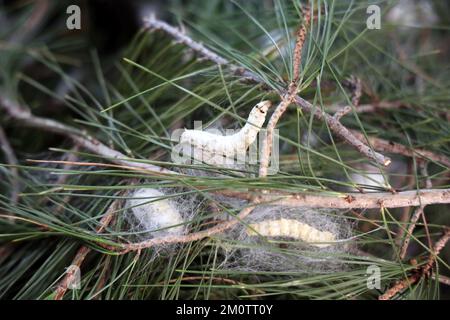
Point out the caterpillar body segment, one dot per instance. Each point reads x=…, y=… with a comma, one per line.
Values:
x=291, y=228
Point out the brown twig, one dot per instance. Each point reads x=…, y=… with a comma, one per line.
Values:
x=369, y=108
x=342, y=112
x=82, y=253
x=12, y=160
x=104, y=276
x=80, y=138
x=424, y=271
x=418, y=212
x=410, y=183
x=219, y=228
x=342, y=132
x=393, y=147
x=266, y=148
x=155, y=24
x=363, y=201
x=381, y=105
x=355, y=86
x=288, y=98
x=441, y=278
x=342, y=200
x=300, y=40
x=428, y=184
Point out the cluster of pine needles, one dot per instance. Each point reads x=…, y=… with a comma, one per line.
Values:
x=81, y=129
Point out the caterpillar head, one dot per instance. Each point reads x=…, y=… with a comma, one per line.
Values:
x=258, y=114
x=263, y=106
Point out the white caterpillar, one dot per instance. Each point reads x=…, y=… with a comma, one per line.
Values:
x=214, y=149
x=153, y=213
x=291, y=228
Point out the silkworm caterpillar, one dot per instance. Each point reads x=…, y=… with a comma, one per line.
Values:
x=214, y=148
x=291, y=228
x=154, y=213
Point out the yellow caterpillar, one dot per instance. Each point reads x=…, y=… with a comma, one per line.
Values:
x=291, y=228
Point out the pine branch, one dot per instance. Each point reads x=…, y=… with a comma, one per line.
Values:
x=418, y=273
x=82, y=253
x=397, y=148
x=371, y=200
x=12, y=160
x=419, y=212
x=287, y=99
x=339, y=201
x=334, y=124
x=300, y=41
x=80, y=138
x=219, y=228
x=355, y=85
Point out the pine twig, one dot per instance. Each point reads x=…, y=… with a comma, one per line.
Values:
x=442, y=279
x=369, y=107
x=393, y=147
x=82, y=253
x=419, y=212
x=246, y=75
x=342, y=132
x=12, y=160
x=356, y=87
x=363, y=201
x=300, y=40
x=369, y=200
x=266, y=148
x=288, y=97
x=424, y=271
x=219, y=228
x=80, y=138
x=152, y=23
x=32, y=24
x=382, y=105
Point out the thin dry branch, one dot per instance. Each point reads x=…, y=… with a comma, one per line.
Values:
x=339, y=200
x=287, y=99
x=418, y=212
x=441, y=278
x=355, y=86
x=32, y=24
x=364, y=201
x=219, y=228
x=334, y=124
x=268, y=140
x=387, y=200
x=82, y=253
x=342, y=112
x=342, y=132
x=393, y=147
x=377, y=106
x=154, y=24
x=12, y=160
x=424, y=271
x=369, y=107
x=300, y=40
x=80, y=138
